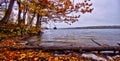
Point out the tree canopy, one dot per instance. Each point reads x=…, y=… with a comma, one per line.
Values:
x=57, y=10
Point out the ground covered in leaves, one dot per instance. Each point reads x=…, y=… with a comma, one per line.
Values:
x=32, y=55
x=9, y=54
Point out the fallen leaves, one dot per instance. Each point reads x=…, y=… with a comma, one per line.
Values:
x=10, y=43
x=8, y=54
x=33, y=55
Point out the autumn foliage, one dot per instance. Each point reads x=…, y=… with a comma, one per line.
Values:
x=57, y=10
x=7, y=54
x=43, y=11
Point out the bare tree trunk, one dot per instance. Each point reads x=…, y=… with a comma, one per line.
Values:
x=19, y=13
x=38, y=23
x=24, y=15
x=8, y=12
x=31, y=21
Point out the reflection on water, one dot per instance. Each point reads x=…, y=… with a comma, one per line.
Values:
x=76, y=38
x=79, y=37
x=65, y=34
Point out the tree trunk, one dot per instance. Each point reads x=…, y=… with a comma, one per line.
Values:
x=19, y=13
x=24, y=15
x=8, y=12
x=38, y=23
x=31, y=21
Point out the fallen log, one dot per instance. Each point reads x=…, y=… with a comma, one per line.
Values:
x=112, y=48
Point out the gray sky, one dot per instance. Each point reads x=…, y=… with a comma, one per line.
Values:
x=106, y=12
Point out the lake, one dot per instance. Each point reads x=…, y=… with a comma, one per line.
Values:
x=77, y=38
x=80, y=38
x=66, y=34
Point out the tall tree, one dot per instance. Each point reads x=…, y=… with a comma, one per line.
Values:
x=22, y=5
x=19, y=11
x=24, y=14
x=8, y=12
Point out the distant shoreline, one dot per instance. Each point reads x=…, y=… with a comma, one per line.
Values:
x=94, y=27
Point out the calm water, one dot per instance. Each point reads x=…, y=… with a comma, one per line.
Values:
x=77, y=33
x=76, y=37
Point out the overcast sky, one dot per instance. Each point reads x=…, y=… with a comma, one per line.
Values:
x=106, y=12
